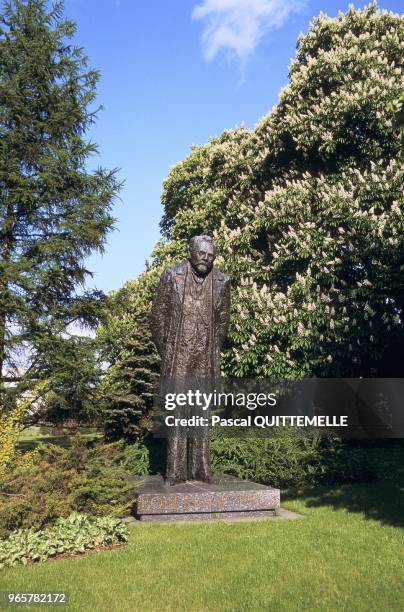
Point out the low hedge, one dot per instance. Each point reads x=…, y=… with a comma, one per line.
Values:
x=75, y=534
x=286, y=459
x=289, y=460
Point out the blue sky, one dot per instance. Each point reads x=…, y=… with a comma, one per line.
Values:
x=175, y=73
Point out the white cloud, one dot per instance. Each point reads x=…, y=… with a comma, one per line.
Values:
x=237, y=26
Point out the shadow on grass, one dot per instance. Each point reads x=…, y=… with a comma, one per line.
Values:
x=381, y=500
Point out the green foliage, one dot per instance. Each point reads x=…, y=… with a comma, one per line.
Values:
x=291, y=460
x=287, y=459
x=75, y=534
x=397, y=108
x=136, y=459
x=128, y=306
x=129, y=385
x=312, y=234
x=197, y=187
x=73, y=373
x=11, y=425
x=307, y=210
x=80, y=478
x=53, y=212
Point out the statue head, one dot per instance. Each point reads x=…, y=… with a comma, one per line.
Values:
x=201, y=254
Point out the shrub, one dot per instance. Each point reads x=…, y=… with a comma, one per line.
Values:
x=74, y=534
x=11, y=425
x=136, y=459
x=79, y=478
x=291, y=460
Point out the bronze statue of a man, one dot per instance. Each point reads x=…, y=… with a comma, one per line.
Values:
x=190, y=317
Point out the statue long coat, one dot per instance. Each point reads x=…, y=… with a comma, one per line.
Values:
x=167, y=312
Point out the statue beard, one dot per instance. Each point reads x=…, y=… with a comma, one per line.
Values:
x=203, y=271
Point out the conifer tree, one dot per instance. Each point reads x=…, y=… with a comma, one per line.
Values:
x=53, y=211
x=130, y=384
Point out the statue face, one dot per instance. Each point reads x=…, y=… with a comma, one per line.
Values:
x=202, y=256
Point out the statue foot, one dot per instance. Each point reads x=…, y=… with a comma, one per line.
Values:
x=208, y=478
x=174, y=481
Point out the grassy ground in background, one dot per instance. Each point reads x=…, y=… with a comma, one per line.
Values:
x=347, y=554
x=32, y=436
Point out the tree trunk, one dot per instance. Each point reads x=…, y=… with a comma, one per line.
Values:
x=5, y=260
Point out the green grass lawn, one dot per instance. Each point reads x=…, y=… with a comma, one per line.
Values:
x=32, y=436
x=346, y=554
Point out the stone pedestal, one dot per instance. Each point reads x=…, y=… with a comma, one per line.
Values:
x=227, y=497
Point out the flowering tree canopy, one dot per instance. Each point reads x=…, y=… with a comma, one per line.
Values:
x=307, y=210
